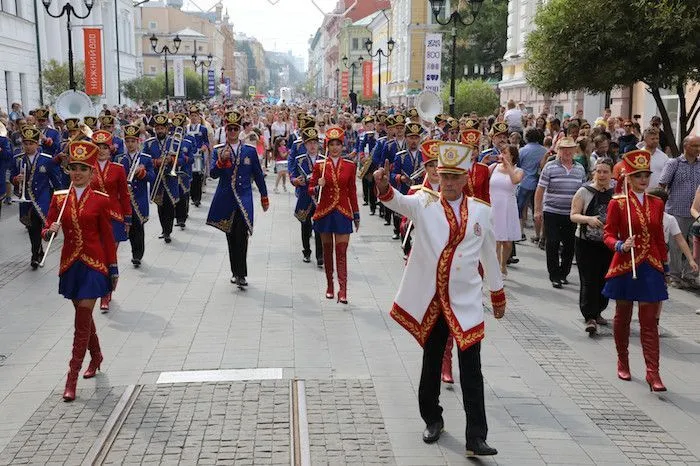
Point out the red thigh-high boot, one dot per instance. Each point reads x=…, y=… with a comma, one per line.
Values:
x=341, y=250
x=621, y=332
x=81, y=338
x=649, y=335
x=95, y=353
x=328, y=266
x=447, y=361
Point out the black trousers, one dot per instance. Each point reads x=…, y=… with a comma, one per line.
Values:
x=372, y=196
x=36, y=224
x=365, y=190
x=166, y=214
x=306, y=232
x=238, y=246
x=559, y=230
x=470, y=379
x=196, y=187
x=593, y=259
x=137, y=239
x=182, y=208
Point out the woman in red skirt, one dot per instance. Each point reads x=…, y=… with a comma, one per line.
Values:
x=88, y=268
x=333, y=184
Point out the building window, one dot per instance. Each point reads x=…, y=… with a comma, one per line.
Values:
x=152, y=25
x=187, y=48
x=152, y=69
x=355, y=43
x=200, y=48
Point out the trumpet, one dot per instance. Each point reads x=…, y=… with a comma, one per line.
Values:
x=133, y=168
x=23, y=187
x=418, y=173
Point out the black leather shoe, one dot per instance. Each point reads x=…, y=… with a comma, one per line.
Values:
x=34, y=263
x=242, y=281
x=234, y=279
x=307, y=258
x=387, y=222
x=319, y=264
x=565, y=282
x=372, y=213
x=136, y=262
x=365, y=203
x=556, y=284
x=432, y=432
x=479, y=447
x=167, y=239
x=395, y=236
x=161, y=236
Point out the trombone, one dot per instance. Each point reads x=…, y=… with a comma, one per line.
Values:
x=174, y=150
x=133, y=168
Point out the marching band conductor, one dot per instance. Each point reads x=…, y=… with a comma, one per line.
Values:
x=453, y=233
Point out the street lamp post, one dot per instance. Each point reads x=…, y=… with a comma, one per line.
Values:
x=379, y=53
x=337, y=86
x=437, y=7
x=165, y=50
x=353, y=66
x=201, y=64
x=69, y=11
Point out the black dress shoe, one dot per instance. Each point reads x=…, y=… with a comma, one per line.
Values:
x=181, y=225
x=34, y=263
x=136, y=262
x=556, y=284
x=479, y=447
x=365, y=203
x=319, y=264
x=387, y=222
x=395, y=236
x=161, y=236
x=234, y=279
x=372, y=213
x=432, y=432
x=565, y=281
x=242, y=281
x=512, y=260
x=196, y=204
x=307, y=258
x=167, y=239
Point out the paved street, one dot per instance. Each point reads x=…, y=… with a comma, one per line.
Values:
x=551, y=392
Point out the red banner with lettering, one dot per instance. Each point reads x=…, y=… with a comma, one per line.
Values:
x=367, y=79
x=345, y=84
x=92, y=38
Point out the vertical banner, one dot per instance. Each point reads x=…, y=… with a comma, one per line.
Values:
x=211, y=84
x=344, y=84
x=179, y=69
x=92, y=38
x=433, y=62
x=367, y=79
x=227, y=83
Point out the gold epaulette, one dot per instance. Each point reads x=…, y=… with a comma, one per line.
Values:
x=430, y=191
x=480, y=200
x=416, y=187
x=117, y=163
x=61, y=192
x=348, y=160
x=652, y=195
x=100, y=193
x=619, y=196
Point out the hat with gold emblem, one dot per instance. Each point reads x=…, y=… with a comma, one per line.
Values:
x=430, y=150
x=470, y=123
x=83, y=152
x=452, y=124
x=399, y=120
x=500, y=127
x=73, y=124
x=179, y=119
x=441, y=118
x=390, y=120
x=309, y=134
x=413, y=129
x=381, y=117
x=471, y=137
x=368, y=119
x=102, y=137
x=90, y=121
x=454, y=158
x=41, y=113
x=412, y=114
x=335, y=133
x=131, y=131
x=56, y=119
x=31, y=133
x=193, y=109
x=306, y=121
x=636, y=161
x=160, y=119
x=106, y=120
x=233, y=118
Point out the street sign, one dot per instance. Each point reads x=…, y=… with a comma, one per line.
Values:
x=211, y=83
x=251, y=91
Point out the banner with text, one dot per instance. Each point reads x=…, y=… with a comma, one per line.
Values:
x=179, y=69
x=211, y=83
x=92, y=38
x=345, y=84
x=433, y=62
x=367, y=79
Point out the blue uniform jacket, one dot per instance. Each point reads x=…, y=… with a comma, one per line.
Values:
x=303, y=166
x=378, y=152
x=390, y=150
x=404, y=164
x=138, y=189
x=43, y=177
x=55, y=146
x=155, y=149
x=118, y=147
x=298, y=148
x=234, y=193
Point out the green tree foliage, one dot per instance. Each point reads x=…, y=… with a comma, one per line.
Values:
x=143, y=89
x=54, y=76
x=472, y=95
x=607, y=43
x=152, y=88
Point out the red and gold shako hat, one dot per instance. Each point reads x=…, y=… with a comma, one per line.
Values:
x=500, y=127
x=160, y=119
x=471, y=137
x=454, y=158
x=102, y=137
x=31, y=133
x=399, y=120
x=309, y=134
x=73, y=124
x=233, y=118
x=106, y=120
x=179, y=119
x=429, y=150
x=413, y=129
x=306, y=121
x=335, y=133
x=452, y=124
x=41, y=113
x=636, y=161
x=83, y=152
x=132, y=131
x=90, y=121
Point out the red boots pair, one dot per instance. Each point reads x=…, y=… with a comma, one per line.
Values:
x=649, y=336
x=84, y=338
x=341, y=250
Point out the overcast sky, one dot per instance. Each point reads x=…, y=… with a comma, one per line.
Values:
x=286, y=25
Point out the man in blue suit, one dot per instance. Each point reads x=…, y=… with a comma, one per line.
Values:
x=234, y=164
x=50, y=138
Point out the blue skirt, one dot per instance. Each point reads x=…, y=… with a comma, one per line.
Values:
x=82, y=282
x=119, y=231
x=649, y=287
x=335, y=222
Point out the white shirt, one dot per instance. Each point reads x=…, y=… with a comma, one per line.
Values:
x=455, y=207
x=514, y=118
x=658, y=160
x=79, y=192
x=671, y=227
x=102, y=164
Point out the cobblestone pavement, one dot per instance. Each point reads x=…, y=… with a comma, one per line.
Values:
x=551, y=392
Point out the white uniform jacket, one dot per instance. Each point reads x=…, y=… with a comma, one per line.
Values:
x=442, y=275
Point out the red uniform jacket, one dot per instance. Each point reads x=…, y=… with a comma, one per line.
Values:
x=339, y=192
x=647, y=225
x=87, y=230
x=478, y=182
x=113, y=182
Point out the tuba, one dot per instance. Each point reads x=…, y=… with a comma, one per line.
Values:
x=75, y=104
x=429, y=105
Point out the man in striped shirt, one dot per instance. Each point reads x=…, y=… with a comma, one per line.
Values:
x=559, y=181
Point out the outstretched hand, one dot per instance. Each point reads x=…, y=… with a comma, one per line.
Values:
x=381, y=177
